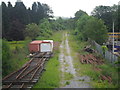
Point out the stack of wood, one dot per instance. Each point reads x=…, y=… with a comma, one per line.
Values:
x=103, y=77
x=90, y=59
x=88, y=49
x=107, y=78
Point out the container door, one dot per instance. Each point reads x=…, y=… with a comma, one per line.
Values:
x=45, y=47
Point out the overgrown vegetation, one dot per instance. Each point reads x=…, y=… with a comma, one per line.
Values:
x=50, y=78
x=88, y=69
x=16, y=17
x=5, y=58
x=67, y=83
x=90, y=27
x=67, y=76
x=12, y=53
x=108, y=14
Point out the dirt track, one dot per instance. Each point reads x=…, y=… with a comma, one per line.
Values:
x=66, y=61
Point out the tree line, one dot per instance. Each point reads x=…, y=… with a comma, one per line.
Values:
x=97, y=25
x=108, y=14
x=20, y=23
x=15, y=18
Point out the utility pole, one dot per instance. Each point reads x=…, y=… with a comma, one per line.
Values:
x=113, y=37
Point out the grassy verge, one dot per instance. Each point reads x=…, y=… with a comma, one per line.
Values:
x=87, y=69
x=50, y=78
x=67, y=76
x=14, y=44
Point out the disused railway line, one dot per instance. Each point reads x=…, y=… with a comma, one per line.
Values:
x=29, y=74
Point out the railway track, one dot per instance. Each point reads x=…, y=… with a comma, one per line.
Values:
x=28, y=75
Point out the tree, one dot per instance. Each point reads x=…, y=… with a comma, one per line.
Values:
x=91, y=27
x=48, y=13
x=80, y=27
x=16, y=31
x=5, y=23
x=107, y=14
x=20, y=13
x=118, y=17
x=45, y=28
x=40, y=11
x=13, y=16
x=96, y=30
x=71, y=24
x=31, y=31
x=81, y=22
x=79, y=14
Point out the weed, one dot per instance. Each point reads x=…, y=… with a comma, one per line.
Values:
x=67, y=83
x=68, y=76
x=66, y=65
x=81, y=80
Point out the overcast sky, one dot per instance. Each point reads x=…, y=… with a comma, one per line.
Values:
x=67, y=8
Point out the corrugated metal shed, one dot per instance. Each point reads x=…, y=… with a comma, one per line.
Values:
x=41, y=46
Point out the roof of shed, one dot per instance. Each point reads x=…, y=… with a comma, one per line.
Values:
x=36, y=42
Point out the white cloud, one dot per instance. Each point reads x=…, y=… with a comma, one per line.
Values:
x=67, y=8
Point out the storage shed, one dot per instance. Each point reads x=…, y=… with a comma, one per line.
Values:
x=51, y=41
x=40, y=46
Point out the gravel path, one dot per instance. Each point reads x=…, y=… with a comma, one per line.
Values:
x=66, y=61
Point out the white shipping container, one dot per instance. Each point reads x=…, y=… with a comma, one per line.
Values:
x=51, y=41
x=46, y=47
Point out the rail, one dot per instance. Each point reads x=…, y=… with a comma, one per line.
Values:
x=27, y=75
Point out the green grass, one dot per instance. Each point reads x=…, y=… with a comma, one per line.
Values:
x=50, y=78
x=87, y=69
x=19, y=52
x=67, y=76
x=14, y=44
x=77, y=45
x=66, y=65
x=109, y=70
x=67, y=83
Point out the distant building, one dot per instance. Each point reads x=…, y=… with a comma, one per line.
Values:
x=116, y=36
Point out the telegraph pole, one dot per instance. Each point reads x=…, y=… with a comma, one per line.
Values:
x=113, y=37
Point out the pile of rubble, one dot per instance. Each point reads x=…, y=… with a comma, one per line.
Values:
x=90, y=59
x=94, y=60
x=88, y=49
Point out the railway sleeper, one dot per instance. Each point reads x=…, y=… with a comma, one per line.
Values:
x=27, y=76
x=20, y=82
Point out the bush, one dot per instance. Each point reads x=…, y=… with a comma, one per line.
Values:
x=90, y=27
x=6, y=55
